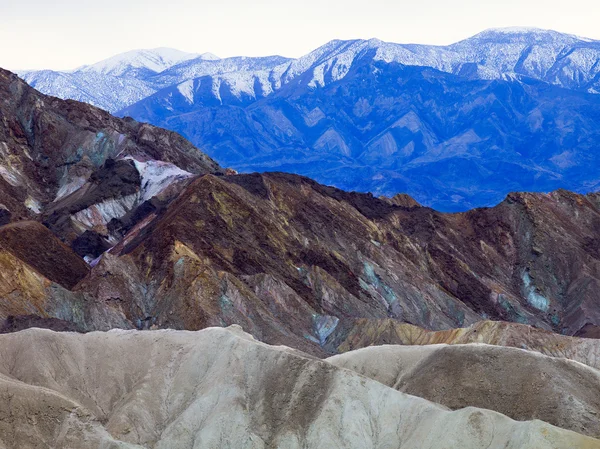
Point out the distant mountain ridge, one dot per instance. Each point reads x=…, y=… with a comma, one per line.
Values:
x=455, y=126
x=561, y=59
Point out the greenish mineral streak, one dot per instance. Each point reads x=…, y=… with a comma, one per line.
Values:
x=102, y=148
x=375, y=281
x=225, y=303
x=324, y=325
x=75, y=157
x=363, y=284
x=534, y=298
x=455, y=312
x=99, y=136
x=512, y=313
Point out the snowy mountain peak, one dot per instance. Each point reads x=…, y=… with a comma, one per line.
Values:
x=525, y=33
x=155, y=60
x=501, y=53
x=209, y=57
x=516, y=30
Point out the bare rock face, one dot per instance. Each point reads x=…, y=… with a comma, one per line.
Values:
x=221, y=388
x=22, y=322
x=76, y=169
x=35, y=245
x=332, y=257
x=521, y=384
x=51, y=148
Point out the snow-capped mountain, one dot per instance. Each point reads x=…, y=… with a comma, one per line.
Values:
x=113, y=83
x=512, y=53
x=117, y=82
x=560, y=59
x=450, y=142
x=104, y=91
x=552, y=57
x=144, y=61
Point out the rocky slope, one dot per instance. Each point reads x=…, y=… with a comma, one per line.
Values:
x=293, y=261
x=50, y=148
x=221, y=388
x=364, y=333
x=172, y=241
x=76, y=169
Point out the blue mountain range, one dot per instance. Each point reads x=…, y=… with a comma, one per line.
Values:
x=456, y=127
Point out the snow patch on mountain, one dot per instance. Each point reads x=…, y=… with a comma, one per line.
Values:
x=187, y=90
x=157, y=176
x=104, y=91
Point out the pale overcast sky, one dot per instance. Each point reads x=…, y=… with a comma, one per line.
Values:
x=63, y=34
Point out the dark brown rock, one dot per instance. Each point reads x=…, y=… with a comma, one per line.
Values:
x=19, y=323
x=90, y=244
x=51, y=147
x=35, y=245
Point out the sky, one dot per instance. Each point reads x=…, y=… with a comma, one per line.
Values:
x=64, y=34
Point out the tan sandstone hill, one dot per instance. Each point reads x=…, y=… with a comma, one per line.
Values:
x=220, y=388
x=521, y=384
x=366, y=333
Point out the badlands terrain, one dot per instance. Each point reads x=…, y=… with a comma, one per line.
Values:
x=220, y=388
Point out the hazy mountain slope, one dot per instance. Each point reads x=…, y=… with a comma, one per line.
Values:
x=386, y=128
x=561, y=59
x=141, y=63
x=220, y=388
x=104, y=91
x=556, y=58
x=124, y=79
x=113, y=83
